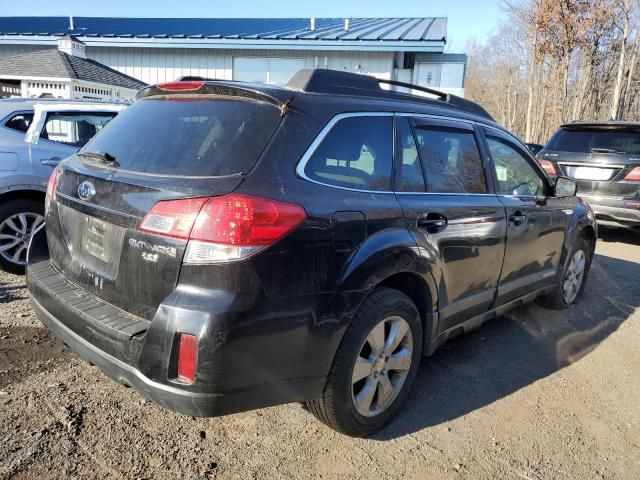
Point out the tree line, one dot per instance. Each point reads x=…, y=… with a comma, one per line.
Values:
x=554, y=61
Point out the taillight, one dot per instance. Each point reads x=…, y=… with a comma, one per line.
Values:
x=633, y=175
x=52, y=185
x=172, y=218
x=225, y=228
x=186, y=361
x=547, y=166
x=180, y=86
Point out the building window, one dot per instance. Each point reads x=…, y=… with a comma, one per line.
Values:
x=440, y=75
x=272, y=71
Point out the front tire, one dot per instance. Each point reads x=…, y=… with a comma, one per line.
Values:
x=374, y=367
x=574, y=278
x=18, y=220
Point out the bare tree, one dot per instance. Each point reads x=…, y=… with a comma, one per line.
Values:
x=554, y=61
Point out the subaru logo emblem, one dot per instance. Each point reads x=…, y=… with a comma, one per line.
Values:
x=86, y=190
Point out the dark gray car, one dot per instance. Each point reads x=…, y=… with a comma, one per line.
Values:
x=604, y=158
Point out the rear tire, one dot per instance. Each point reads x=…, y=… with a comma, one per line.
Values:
x=374, y=367
x=18, y=219
x=574, y=278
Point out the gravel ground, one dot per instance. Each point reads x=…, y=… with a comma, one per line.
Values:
x=533, y=395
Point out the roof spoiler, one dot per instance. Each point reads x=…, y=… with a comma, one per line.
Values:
x=337, y=82
x=210, y=86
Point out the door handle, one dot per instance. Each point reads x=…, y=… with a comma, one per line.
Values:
x=518, y=217
x=432, y=222
x=50, y=162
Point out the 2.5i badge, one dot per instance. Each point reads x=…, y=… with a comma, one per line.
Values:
x=154, y=251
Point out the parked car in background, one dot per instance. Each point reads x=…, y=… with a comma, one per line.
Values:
x=35, y=134
x=604, y=158
x=309, y=243
x=534, y=148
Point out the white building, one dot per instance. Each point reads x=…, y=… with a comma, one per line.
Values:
x=268, y=50
x=64, y=72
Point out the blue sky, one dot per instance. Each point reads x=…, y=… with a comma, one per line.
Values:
x=467, y=18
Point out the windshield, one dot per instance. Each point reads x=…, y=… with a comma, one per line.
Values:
x=188, y=136
x=584, y=141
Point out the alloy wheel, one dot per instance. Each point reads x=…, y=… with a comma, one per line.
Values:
x=15, y=234
x=574, y=276
x=382, y=366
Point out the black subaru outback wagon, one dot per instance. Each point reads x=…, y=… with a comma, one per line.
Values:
x=223, y=246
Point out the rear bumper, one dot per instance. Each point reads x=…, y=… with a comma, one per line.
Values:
x=615, y=209
x=193, y=403
x=189, y=403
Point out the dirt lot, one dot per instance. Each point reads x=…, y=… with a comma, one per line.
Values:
x=534, y=395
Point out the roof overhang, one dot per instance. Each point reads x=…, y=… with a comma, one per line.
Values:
x=72, y=81
x=245, y=44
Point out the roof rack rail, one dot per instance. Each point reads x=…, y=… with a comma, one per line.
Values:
x=338, y=82
x=442, y=95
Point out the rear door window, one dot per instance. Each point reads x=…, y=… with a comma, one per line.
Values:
x=410, y=177
x=74, y=128
x=450, y=158
x=189, y=136
x=357, y=153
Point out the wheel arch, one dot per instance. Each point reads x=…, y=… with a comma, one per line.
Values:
x=589, y=233
x=21, y=193
x=417, y=289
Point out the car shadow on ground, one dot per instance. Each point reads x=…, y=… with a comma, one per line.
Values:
x=511, y=352
x=10, y=293
x=618, y=235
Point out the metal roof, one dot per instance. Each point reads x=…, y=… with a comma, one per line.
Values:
x=56, y=64
x=425, y=31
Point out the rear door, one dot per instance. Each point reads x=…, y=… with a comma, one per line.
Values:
x=457, y=221
x=537, y=221
x=58, y=131
x=157, y=149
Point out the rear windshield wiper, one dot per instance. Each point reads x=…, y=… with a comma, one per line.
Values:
x=606, y=150
x=103, y=157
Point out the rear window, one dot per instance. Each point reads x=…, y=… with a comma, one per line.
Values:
x=357, y=153
x=189, y=136
x=583, y=141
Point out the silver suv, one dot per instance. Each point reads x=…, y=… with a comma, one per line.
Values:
x=35, y=134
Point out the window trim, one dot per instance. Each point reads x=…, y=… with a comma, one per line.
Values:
x=535, y=166
x=475, y=125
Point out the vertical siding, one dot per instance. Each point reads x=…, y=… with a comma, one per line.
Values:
x=152, y=65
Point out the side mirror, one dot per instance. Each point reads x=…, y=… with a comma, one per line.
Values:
x=565, y=187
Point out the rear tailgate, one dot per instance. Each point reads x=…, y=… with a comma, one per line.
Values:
x=160, y=148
